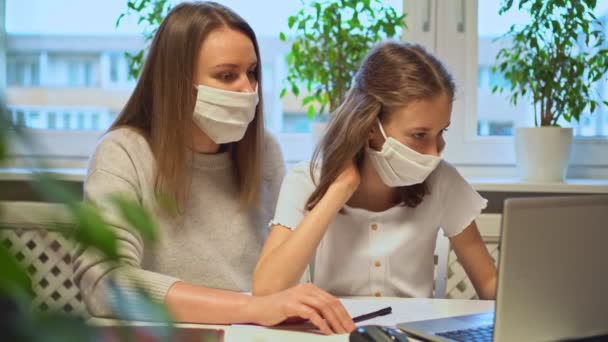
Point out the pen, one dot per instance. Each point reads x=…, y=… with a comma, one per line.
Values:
x=382, y=312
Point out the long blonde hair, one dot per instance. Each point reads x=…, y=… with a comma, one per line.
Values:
x=162, y=103
x=392, y=76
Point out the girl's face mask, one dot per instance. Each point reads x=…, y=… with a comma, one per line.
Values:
x=398, y=165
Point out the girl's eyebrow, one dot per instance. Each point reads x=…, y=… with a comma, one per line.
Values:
x=426, y=129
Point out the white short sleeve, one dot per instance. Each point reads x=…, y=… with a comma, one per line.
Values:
x=295, y=191
x=460, y=203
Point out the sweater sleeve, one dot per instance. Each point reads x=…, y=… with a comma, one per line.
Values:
x=112, y=172
x=274, y=170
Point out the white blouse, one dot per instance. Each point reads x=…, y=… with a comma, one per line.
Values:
x=389, y=253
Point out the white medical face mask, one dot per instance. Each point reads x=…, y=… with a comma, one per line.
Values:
x=399, y=165
x=224, y=115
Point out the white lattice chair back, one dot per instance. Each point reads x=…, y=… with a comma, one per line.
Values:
x=451, y=280
x=442, y=250
x=32, y=232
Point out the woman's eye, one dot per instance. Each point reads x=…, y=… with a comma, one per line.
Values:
x=227, y=76
x=251, y=74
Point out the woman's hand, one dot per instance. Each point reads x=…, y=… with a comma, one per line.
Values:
x=305, y=301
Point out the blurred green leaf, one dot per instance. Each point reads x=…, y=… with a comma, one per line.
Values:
x=167, y=203
x=90, y=230
x=93, y=231
x=311, y=112
x=139, y=306
x=58, y=326
x=51, y=190
x=137, y=217
x=14, y=280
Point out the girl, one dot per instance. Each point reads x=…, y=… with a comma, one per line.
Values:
x=193, y=129
x=366, y=212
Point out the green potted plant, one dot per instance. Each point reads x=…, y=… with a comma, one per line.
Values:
x=149, y=14
x=553, y=62
x=328, y=41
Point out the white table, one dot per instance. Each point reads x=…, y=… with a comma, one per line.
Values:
x=404, y=310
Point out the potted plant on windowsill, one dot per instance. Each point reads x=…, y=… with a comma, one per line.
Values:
x=328, y=41
x=554, y=62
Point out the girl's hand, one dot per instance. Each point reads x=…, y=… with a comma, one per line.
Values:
x=348, y=180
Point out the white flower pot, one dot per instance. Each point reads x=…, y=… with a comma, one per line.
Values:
x=543, y=153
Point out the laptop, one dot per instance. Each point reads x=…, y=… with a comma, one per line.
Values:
x=552, y=276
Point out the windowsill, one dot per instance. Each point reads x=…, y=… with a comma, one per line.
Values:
x=24, y=174
x=480, y=184
x=591, y=186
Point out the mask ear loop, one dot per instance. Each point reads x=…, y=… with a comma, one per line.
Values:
x=381, y=129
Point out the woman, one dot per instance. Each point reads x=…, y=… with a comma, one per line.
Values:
x=365, y=214
x=193, y=130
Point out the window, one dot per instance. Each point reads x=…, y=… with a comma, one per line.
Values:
x=20, y=118
x=34, y=120
x=66, y=121
x=480, y=139
x=495, y=109
x=89, y=76
x=73, y=73
x=80, y=125
x=94, y=121
x=82, y=74
x=51, y=120
x=22, y=70
x=81, y=61
x=81, y=71
x=114, y=68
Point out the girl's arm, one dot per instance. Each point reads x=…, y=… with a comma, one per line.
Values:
x=476, y=260
x=287, y=253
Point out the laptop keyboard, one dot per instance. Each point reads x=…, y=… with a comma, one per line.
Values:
x=482, y=333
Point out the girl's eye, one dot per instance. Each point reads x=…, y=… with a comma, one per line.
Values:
x=251, y=74
x=419, y=136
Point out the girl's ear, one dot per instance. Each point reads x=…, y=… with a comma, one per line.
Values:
x=372, y=132
x=372, y=137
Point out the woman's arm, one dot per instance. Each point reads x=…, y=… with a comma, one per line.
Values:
x=477, y=262
x=112, y=173
x=194, y=304
x=286, y=253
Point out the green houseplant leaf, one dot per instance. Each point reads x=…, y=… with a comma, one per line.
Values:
x=149, y=14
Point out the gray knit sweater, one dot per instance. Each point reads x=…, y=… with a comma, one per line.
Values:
x=212, y=244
